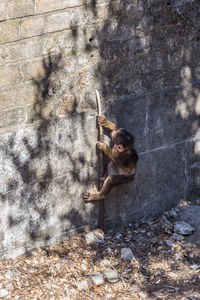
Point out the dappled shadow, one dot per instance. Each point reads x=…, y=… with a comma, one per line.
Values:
x=143, y=56
x=47, y=163
x=148, y=72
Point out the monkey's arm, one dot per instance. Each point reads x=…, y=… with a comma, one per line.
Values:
x=107, y=150
x=105, y=123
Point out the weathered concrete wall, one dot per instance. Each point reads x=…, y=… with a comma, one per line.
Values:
x=144, y=58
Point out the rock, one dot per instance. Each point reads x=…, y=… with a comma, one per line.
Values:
x=91, y=238
x=9, y=287
x=97, y=278
x=82, y=285
x=110, y=296
x=3, y=293
x=173, y=275
x=111, y=275
x=119, y=236
x=195, y=267
x=143, y=295
x=169, y=243
x=177, y=256
x=183, y=228
x=135, y=289
x=109, y=250
x=127, y=254
x=83, y=267
x=105, y=262
x=173, y=212
x=177, y=237
x=9, y=274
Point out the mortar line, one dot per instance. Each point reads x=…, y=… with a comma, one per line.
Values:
x=171, y=145
x=35, y=14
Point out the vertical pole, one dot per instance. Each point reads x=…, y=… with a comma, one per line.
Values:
x=100, y=163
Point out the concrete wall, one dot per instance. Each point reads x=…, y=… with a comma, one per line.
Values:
x=144, y=58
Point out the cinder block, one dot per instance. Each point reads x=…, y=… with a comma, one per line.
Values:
x=12, y=117
x=9, y=31
x=10, y=74
x=32, y=26
x=20, y=8
x=18, y=95
x=62, y=21
x=33, y=69
x=3, y=10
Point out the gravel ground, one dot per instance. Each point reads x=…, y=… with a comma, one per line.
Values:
x=146, y=260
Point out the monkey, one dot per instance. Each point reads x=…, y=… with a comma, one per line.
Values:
x=122, y=163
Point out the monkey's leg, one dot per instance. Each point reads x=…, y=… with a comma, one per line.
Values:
x=110, y=182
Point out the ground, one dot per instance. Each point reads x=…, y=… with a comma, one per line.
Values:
x=161, y=267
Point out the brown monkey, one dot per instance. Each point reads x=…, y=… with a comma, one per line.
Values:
x=122, y=164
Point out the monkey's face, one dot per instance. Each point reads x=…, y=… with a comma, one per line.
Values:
x=122, y=137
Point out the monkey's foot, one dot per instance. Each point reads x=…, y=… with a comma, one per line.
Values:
x=91, y=196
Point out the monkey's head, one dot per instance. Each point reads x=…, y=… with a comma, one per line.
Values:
x=122, y=139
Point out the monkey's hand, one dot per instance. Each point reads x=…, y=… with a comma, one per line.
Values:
x=101, y=146
x=102, y=121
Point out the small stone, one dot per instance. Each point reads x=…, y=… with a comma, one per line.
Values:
x=143, y=295
x=177, y=256
x=173, y=212
x=10, y=287
x=9, y=274
x=110, y=296
x=195, y=267
x=97, y=278
x=135, y=289
x=109, y=250
x=177, y=237
x=173, y=275
x=111, y=275
x=82, y=285
x=183, y=228
x=127, y=254
x=105, y=262
x=35, y=261
x=26, y=283
x=83, y=267
x=130, y=224
x=90, y=238
x=169, y=243
x=3, y=293
x=119, y=236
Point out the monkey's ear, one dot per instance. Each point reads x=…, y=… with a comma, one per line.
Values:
x=120, y=148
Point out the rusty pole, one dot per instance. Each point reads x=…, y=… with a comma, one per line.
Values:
x=100, y=163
